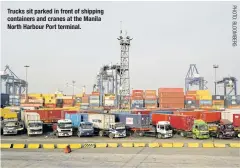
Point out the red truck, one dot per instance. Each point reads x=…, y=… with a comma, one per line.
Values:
x=236, y=124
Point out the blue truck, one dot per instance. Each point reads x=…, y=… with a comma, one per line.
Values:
x=80, y=124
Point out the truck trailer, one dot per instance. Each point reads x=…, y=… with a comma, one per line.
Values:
x=105, y=125
x=33, y=124
x=80, y=124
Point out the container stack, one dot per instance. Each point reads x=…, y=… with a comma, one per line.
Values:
x=217, y=102
x=137, y=99
x=204, y=98
x=171, y=97
x=94, y=100
x=68, y=101
x=14, y=100
x=109, y=100
x=190, y=101
x=49, y=100
x=233, y=102
x=150, y=99
x=126, y=100
x=85, y=102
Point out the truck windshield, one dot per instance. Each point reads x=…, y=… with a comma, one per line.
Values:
x=35, y=124
x=86, y=126
x=119, y=126
x=65, y=125
x=11, y=124
x=229, y=126
x=203, y=127
x=168, y=127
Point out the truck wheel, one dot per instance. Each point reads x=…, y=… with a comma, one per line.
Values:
x=111, y=135
x=140, y=134
x=78, y=134
x=220, y=136
x=101, y=133
x=194, y=136
x=159, y=136
x=238, y=135
x=182, y=134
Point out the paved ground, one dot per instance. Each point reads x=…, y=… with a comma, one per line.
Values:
x=123, y=157
x=75, y=139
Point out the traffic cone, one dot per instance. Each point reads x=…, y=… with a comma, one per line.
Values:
x=67, y=149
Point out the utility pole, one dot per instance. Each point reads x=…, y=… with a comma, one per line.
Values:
x=26, y=66
x=215, y=67
x=73, y=82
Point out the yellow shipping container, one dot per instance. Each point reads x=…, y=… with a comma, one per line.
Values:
x=50, y=101
x=79, y=95
x=4, y=111
x=204, y=97
x=35, y=94
x=203, y=92
x=10, y=115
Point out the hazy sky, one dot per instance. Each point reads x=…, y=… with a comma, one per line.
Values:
x=167, y=37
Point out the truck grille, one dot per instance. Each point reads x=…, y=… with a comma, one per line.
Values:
x=65, y=130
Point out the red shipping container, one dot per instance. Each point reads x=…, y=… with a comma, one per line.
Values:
x=181, y=122
x=171, y=94
x=236, y=120
x=137, y=111
x=195, y=114
x=190, y=97
x=68, y=101
x=137, y=91
x=171, y=100
x=160, y=90
x=95, y=93
x=49, y=116
x=210, y=117
x=50, y=105
x=159, y=117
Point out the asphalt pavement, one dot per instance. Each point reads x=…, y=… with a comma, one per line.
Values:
x=122, y=158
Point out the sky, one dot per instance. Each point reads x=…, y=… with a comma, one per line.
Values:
x=167, y=38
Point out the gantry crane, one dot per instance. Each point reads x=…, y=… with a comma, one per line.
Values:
x=230, y=85
x=193, y=78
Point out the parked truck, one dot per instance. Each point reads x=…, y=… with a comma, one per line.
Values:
x=63, y=128
x=236, y=124
x=80, y=124
x=33, y=124
x=187, y=126
x=12, y=124
x=105, y=125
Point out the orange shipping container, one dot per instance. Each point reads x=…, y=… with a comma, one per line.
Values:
x=159, y=117
x=151, y=97
x=160, y=90
x=95, y=93
x=150, y=92
x=195, y=114
x=137, y=98
x=171, y=105
x=171, y=100
x=171, y=94
x=192, y=92
x=210, y=117
x=85, y=99
x=67, y=101
x=190, y=97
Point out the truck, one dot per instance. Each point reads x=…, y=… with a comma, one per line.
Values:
x=105, y=125
x=224, y=129
x=187, y=126
x=80, y=124
x=12, y=126
x=63, y=128
x=33, y=124
x=236, y=124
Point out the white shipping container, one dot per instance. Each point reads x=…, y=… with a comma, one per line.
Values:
x=101, y=121
x=94, y=101
x=109, y=103
x=229, y=114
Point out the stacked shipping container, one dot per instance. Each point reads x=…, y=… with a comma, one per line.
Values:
x=190, y=99
x=137, y=99
x=233, y=101
x=204, y=98
x=217, y=102
x=150, y=99
x=94, y=100
x=109, y=100
x=84, y=102
x=171, y=97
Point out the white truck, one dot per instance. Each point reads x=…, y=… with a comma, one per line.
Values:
x=162, y=129
x=105, y=125
x=12, y=126
x=33, y=124
x=63, y=128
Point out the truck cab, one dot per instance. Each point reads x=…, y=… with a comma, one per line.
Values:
x=35, y=127
x=225, y=129
x=85, y=129
x=12, y=126
x=117, y=130
x=200, y=130
x=64, y=128
x=164, y=129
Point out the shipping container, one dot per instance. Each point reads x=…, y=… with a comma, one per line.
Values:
x=139, y=111
x=192, y=92
x=199, y=97
x=190, y=97
x=171, y=94
x=236, y=120
x=134, y=120
x=181, y=122
x=160, y=90
x=150, y=97
x=150, y=101
x=228, y=114
x=101, y=121
x=195, y=114
x=217, y=97
x=203, y=92
x=150, y=92
x=96, y=93
x=77, y=118
x=4, y=99
x=210, y=117
x=136, y=92
x=218, y=102
x=156, y=117
x=171, y=100
x=171, y=105
x=205, y=102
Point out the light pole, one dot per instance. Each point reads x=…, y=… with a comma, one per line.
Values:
x=73, y=82
x=215, y=67
x=26, y=66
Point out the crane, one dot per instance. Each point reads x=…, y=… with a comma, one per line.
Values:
x=230, y=85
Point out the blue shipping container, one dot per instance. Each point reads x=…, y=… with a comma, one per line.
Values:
x=77, y=118
x=4, y=99
x=150, y=101
x=205, y=102
x=134, y=120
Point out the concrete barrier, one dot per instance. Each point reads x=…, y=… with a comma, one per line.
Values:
x=127, y=145
x=208, y=145
x=18, y=146
x=33, y=146
x=178, y=145
x=48, y=146
x=137, y=145
x=153, y=145
x=234, y=145
x=89, y=145
x=75, y=146
x=167, y=145
x=5, y=146
x=112, y=145
x=101, y=145
x=61, y=146
x=193, y=145
x=219, y=145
